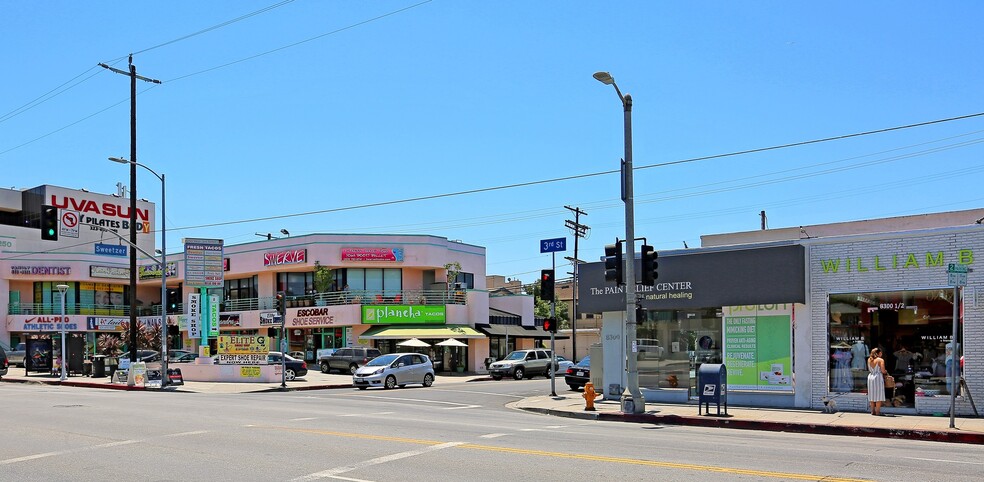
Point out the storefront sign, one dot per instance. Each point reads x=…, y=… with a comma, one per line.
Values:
x=758, y=347
x=42, y=270
x=372, y=254
x=278, y=258
x=50, y=323
x=311, y=317
x=111, y=272
x=153, y=271
x=110, y=249
x=229, y=319
x=213, y=315
x=226, y=264
x=6, y=244
x=194, y=315
x=250, y=359
x=895, y=261
x=105, y=323
x=249, y=372
x=203, y=263
x=404, y=314
x=700, y=279
x=243, y=345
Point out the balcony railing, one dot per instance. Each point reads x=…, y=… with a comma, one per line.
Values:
x=334, y=298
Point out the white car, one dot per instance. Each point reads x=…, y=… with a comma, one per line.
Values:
x=562, y=365
x=395, y=370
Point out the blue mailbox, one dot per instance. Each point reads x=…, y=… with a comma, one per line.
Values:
x=712, y=387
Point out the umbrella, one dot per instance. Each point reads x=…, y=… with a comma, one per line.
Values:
x=451, y=342
x=413, y=342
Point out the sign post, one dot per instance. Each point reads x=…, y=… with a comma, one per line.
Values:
x=956, y=276
x=552, y=246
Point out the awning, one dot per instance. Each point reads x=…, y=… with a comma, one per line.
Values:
x=423, y=332
x=516, y=331
x=503, y=317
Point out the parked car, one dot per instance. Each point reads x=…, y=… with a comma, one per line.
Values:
x=295, y=368
x=395, y=370
x=175, y=355
x=4, y=362
x=347, y=360
x=522, y=364
x=145, y=356
x=185, y=358
x=562, y=365
x=16, y=356
x=297, y=354
x=579, y=375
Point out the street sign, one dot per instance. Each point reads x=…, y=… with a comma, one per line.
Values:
x=203, y=263
x=553, y=245
x=956, y=274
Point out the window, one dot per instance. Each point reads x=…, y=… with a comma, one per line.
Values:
x=295, y=284
x=388, y=281
x=465, y=281
x=914, y=330
x=241, y=289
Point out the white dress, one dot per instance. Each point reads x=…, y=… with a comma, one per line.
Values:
x=876, y=384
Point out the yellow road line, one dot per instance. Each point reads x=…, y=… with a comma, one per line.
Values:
x=596, y=458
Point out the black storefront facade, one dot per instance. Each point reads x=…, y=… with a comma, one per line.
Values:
x=733, y=305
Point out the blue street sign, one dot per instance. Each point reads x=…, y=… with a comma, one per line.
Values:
x=553, y=245
x=111, y=249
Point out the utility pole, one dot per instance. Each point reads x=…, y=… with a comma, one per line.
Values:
x=580, y=231
x=132, y=73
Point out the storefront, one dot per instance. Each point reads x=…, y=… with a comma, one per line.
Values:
x=737, y=306
x=891, y=291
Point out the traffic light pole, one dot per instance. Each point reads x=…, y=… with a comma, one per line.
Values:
x=632, y=399
x=553, y=345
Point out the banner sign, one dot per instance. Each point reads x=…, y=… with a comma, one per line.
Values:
x=213, y=315
x=229, y=319
x=203, y=263
x=105, y=323
x=372, y=254
x=194, y=316
x=404, y=314
x=110, y=249
x=758, y=347
x=251, y=359
x=292, y=256
x=42, y=270
x=111, y=272
x=153, y=271
x=243, y=345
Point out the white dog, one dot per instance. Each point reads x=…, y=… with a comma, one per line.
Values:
x=829, y=405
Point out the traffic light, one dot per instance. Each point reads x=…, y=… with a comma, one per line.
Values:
x=547, y=285
x=281, y=303
x=550, y=325
x=613, y=263
x=649, y=265
x=172, y=300
x=49, y=223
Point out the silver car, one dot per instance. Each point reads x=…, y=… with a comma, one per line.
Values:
x=395, y=370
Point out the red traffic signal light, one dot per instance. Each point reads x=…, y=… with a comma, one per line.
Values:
x=281, y=303
x=547, y=285
x=550, y=325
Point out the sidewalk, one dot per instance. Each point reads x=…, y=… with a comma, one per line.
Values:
x=910, y=427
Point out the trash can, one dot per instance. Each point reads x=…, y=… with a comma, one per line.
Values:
x=98, y=366
x=712, y=387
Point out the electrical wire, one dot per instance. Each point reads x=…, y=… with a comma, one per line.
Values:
x=48, y=95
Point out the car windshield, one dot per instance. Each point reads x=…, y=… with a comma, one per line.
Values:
x=516, y=355
x=585, y=362
x=381, y=361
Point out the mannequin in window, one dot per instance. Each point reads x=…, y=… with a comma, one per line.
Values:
x=842, y=379
x=859, y=351
x=903, y=358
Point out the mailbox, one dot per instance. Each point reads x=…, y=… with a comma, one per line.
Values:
x=712, y=387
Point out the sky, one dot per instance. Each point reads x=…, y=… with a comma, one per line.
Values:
x=480, y=121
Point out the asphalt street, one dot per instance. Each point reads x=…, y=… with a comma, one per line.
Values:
x=452, y=431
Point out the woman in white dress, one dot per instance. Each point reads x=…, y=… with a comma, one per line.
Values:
x=876, y=381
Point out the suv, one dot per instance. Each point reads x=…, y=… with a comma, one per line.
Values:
x=347, y=360
x=522, y=363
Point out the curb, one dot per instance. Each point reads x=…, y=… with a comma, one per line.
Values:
x=713, y=422
x=74, y=384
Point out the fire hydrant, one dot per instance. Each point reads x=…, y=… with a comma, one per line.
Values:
x=589, y=396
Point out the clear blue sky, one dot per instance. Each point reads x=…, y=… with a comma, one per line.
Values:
x=452, y=96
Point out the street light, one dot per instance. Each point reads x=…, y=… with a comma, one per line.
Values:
x=163, y=250
x=632, y=399
x=285, y=232
x=64, y=358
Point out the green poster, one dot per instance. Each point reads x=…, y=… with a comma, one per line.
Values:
x=758, y=347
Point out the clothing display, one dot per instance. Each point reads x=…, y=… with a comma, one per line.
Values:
x=902, y=359
x=843, y=380
x=860, y=353
x=876, y=383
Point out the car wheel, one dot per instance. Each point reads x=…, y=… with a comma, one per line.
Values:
x=497, y=377
x=325, y=368
x=363, y=388
x=574, y=388
x=352, y=368
x=403, y=386
x=518, y=374
x=289, y=374
x=390, y=382
x=429, y=380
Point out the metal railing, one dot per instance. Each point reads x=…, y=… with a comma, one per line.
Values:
x=334, y=298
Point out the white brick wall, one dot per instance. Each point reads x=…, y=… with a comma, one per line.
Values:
x=820, y=284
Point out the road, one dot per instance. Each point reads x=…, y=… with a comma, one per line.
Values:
x=451, y=431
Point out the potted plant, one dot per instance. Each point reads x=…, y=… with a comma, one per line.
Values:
x=453, y=269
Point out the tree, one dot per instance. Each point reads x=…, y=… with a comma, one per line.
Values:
x=454, y=269
x=324, y=277
x=541, y=309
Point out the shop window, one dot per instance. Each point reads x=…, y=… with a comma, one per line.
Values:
x=914, y=330
x=674, y=343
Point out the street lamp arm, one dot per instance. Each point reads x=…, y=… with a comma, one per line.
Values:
x=124, y=161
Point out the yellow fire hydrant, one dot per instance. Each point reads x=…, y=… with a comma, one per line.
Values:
x=589, y=396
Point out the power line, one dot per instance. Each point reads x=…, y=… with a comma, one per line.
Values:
x=578, y=176
x=47, y=95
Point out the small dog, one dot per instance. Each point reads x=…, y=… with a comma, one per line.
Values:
x=829, y=405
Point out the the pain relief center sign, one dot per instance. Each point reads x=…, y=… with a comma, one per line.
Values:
x=758, y=346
